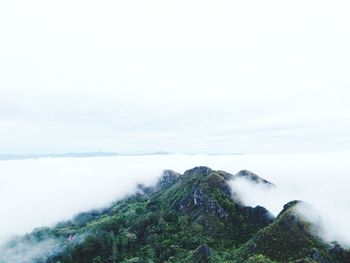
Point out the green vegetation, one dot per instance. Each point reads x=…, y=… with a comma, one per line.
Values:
x=188, y=218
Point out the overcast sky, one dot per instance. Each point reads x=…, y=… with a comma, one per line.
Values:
x=177, y=76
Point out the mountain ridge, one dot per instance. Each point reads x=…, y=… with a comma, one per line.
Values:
x=189, y=217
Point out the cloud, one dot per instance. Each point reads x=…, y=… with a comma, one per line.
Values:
x=133, y=77
x=318, y=179
x=24, y=252
x=38, y=247
x=45, y=191
x=252, y=194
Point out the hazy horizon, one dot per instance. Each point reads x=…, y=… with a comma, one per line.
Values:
x=96, y=97
x=73, y=185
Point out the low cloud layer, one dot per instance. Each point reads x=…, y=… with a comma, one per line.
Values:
x=45, y=191
x=33, y=252
x=319, y=179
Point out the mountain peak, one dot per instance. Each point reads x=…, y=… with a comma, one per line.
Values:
x=167, y=179
x=289, y=206
x=198, y=170
x=252, y=177
x=190, y=217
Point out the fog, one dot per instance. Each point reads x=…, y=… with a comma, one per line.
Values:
x=131, y=77
x=267, y=78
x=24, y=253
x=41, y=192
x=319, y=179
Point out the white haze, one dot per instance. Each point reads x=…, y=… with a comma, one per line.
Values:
x=179, y=76
x=41, y=192
x=24, y=253
x=321, y=180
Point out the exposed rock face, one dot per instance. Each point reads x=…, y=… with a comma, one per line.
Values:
x=198, y=200
x=202, y=254
x=204, y=182
x=191, y=217
x=168, y=178
x=143, y=190
x=317, y=256
x=340, y=253
x=289, y=205
x=200, y=170
x=252, y=177
x=261, y=214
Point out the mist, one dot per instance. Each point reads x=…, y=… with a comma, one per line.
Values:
x=33, y=252
x=42, y=192
x=320, y=180
x=132, y=77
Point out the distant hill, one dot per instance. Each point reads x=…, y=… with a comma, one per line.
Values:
x=72, y=155
x=190, y=217
x=5, y=157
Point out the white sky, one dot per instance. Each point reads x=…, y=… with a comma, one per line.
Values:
x=178, y=76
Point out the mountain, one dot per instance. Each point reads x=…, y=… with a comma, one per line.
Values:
x=190, y=217
x=7, y=157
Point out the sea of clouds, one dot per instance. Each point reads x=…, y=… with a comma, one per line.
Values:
x=42, y=192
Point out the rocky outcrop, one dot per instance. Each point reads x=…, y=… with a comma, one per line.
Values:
x=168, y=178
x=191, y=217
x=259, y=213
x=252, y=177
x=197, y=199
x=201, y=254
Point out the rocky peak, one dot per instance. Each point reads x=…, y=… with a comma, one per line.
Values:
x=252, y=177
x=289, y=205
x=188, y=218
x=199, y=170
x=203, y=253
x=168, y=178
